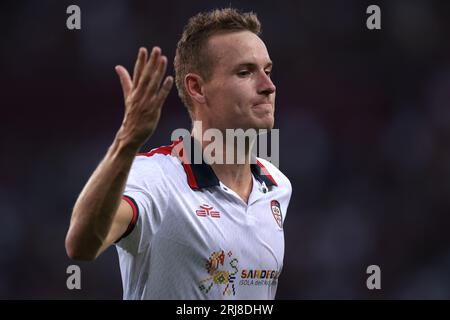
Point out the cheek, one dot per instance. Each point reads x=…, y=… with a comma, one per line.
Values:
x=214, y=95
x=241, y=93
x=227, y=96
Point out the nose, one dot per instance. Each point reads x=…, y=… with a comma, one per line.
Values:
x=266, y=86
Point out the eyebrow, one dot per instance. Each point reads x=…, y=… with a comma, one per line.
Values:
x=253, y=65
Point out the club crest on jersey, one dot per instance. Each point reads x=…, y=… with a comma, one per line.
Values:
x=276, y=211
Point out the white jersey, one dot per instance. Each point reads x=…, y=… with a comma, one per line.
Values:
x=194, y=238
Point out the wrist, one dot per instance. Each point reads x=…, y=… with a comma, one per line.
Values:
x=124, y=146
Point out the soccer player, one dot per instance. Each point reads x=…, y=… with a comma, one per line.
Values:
x=188, y=230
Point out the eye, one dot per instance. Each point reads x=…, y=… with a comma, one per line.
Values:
x=243, y=73
x=268, y=73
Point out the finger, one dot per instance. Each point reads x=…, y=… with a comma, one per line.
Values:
x=148, y=71
x=140, y=63
x=125, y=80
x=164, y=91
x=158, y=75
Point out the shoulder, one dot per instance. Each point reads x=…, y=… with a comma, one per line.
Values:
x=160, y=157
x=157, y=163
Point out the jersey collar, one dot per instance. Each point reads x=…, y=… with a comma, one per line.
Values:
x=202, y=175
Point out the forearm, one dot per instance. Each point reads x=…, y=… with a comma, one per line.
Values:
x=96, y=208
x=97, y=204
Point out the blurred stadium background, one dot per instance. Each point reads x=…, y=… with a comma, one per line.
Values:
x=364, y=120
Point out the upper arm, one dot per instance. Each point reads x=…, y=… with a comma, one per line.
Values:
x=146, y=195
x=122, y=224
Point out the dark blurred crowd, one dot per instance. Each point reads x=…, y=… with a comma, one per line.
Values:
x=364, y=119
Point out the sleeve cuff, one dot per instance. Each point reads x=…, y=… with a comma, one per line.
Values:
x=133, y=221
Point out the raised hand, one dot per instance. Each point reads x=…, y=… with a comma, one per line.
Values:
x=144, y=96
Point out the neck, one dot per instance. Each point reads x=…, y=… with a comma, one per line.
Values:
x=229, y=158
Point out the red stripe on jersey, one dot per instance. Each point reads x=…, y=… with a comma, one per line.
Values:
x=166, y=150
x=191, y=178
x=266, y=173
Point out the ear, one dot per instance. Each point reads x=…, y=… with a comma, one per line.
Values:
x=194, y=86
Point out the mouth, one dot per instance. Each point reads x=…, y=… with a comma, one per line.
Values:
x=263, y=106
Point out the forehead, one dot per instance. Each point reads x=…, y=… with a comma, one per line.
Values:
x=230, y=49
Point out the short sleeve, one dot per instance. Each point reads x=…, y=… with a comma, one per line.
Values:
x=146, y=193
